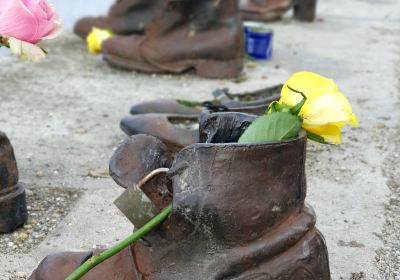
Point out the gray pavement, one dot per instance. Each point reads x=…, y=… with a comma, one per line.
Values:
x=62, y=116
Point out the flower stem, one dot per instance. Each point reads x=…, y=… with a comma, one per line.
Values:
x=136, y=235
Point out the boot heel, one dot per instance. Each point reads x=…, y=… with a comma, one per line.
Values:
x=305, y=10
x=219, y=69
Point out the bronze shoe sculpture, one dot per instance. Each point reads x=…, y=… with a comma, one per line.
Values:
x=203, y=35
x=176, y=124
x=13, y=211
x=254, y=102
x=125, y=17
x=177, y=131
x=272, y=10
x=238, y=213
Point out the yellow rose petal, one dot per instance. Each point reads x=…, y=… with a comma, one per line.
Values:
x=331, y=107
x=95, y=38
x=308, y=83
x=330, y=133
x=326, y=110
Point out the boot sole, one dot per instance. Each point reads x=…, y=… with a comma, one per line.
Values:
x=13, y=211
x=216, y=69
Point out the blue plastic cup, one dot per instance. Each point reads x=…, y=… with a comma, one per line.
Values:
x=259, y=40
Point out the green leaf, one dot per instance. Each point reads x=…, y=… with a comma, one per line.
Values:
x=316, y=138
x=273, y=127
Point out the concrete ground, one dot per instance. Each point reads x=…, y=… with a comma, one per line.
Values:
x=62, y=116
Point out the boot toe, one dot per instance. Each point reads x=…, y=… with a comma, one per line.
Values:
x=122, y=46
x=160, y=126
x=59, y=266
x=124, y=52
x=133, y=125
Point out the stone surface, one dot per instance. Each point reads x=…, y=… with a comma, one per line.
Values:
x=352, y=188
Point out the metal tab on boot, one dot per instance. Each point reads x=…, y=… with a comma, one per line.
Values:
x=135, y=204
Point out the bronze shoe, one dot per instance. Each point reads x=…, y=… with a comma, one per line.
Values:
x=225, y=226
x=204, y=35
x=125, y=17
x=177, y=131
x=255, y=102
x=13, y=211
x=175, y=123
x=238, y=213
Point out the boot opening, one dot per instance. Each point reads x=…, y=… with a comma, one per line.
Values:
x=189, y=123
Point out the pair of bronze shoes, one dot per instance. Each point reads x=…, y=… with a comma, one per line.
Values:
x=173, y=36
x=238, y=210
x=127, y=17
x=175, y=122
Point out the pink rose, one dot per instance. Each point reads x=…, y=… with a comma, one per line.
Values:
x=28, y=20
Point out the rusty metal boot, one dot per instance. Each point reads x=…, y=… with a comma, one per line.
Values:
x=125, y=17
x=227, y=226
x=13, y=212
x=238, y=213
x=273, y=10
x=204, y=35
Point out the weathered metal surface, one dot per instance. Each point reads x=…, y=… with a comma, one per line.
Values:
x=8, y=164
x=162, y=126
x=13, y=211
x=214, y=47
x=254, y=102
x=238, y=213
x=130, y=167
x=224, y=127
x=136, y=157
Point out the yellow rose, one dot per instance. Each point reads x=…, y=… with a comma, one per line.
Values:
x=326, y=110
x=95, y=38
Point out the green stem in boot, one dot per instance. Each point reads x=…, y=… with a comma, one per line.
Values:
x=136, y=235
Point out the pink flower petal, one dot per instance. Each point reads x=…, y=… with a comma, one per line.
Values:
x=28, y=20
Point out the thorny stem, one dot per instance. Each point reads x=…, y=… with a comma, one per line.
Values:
x=136, y=235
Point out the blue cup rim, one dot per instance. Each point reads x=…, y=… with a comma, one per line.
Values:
x=257, y=27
